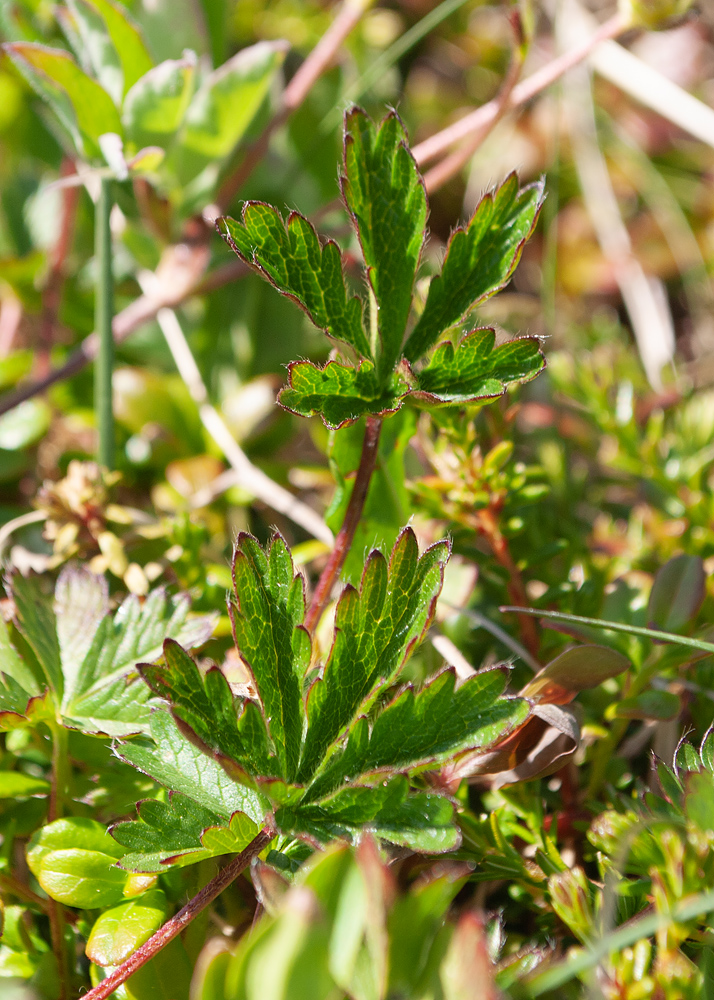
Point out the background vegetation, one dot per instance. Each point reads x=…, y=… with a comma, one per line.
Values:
x=125, y=131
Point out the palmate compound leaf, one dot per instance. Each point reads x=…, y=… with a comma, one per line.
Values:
x=376, y=628
x=326, y=769
x=476, y=369
x=386, y=199
x=480, y=260
x=340, y=393
x=87, y=656
x=290, y=256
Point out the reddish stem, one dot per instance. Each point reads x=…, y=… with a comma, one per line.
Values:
x=173, y=927
x=331, y=572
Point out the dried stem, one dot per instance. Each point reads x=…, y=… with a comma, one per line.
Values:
x=454, y=162
x=331, y=572
x=173, y=927
x=52, y=289
x=319, y=60
x=14, y=887
x=487, y=522
x=521, y=94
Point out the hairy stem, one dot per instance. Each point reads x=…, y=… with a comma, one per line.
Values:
x=103, y=314
x=173, y=927
x=331, y=572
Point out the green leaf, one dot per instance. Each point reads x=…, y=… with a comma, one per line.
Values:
x=475, y=369
x=386, y=199
x=18, y=709
x=428, y=726
x=25, y=424
x=479, y=261
x=419, y=821
x=155, y=106
x=74, y=860
x=206, y=711
x=375, y=630
x=81, y=602
x=706, y=750
x=225, y=105
x=339, y=393
x=290, y=256
x=176, y=763
x=104, y=697
x=15, y=784
x=94, y=48
x=180, y=833
x=677, y=593
x=13, y=666
x=649, y=705
x=269, y=635
x=117, y=933
x=37, y=623
x=577, y=669
x=699, y=800
x=126, y=38
x=84, y=108
x=76, y=831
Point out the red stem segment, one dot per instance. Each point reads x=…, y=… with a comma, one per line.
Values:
x=182, y=919
x=331, y=572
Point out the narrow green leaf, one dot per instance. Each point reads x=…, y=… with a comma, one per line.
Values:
x=427, y=726
x=128, y=41
x=84, y=108
x=339, y=393
x=117, y=933
x=647, y=633
x=479, y=260
x=206, y=711
x=386, y=199
x=290, y=256
x=37, y=623
x=225, y=105
x=475, y=369
x=267, y=627
x=176, y=763
x=677, y=593
x=706, y=750
x=419, y=821
x=375, y=630
x=155, y=106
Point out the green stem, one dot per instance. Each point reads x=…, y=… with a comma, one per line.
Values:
x=60, y=776
x=104, y=314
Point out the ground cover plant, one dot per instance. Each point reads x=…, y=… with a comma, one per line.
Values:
x=355, y=502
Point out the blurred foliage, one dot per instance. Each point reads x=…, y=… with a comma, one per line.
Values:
x=588, y=491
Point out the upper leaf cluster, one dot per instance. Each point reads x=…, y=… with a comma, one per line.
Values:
x=385, y=197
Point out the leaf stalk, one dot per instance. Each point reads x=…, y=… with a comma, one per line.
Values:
x=173, y=927
x=331, y=572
